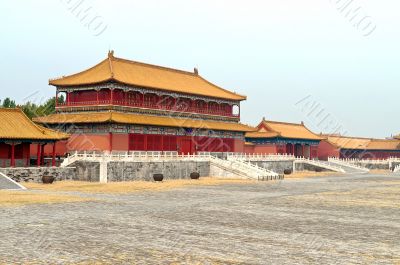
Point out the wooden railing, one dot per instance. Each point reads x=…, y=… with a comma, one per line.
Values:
x=129, y=103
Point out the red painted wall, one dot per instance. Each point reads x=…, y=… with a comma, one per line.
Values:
x=141, y=142
x=120, y=142
x=265, y=149
x=239, y=146
x=5, y=151
x=248, y=149
x=88, y=142
x=325, y=150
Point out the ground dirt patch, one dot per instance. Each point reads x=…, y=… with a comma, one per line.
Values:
x=134, y=186
x=15, y=198
x=311, y=174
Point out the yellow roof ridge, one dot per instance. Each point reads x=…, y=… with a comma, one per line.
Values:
x=281, y=134
x=45, y=130
x=17, y=125
x=283, y=122
x=10, y=109
x=349, y=137
x=81, y=72
x=111, y=56
x=134, y=118
x=233, y=93
x=153, y=66
x=140, y=74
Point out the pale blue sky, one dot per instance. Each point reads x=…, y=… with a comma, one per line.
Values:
x=278, y=53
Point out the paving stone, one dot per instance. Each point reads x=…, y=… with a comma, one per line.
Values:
x=261, y=223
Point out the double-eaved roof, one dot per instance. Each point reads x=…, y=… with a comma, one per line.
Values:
x=147, y=76
x=15, y=125
x=140, y=119
x=273, y=129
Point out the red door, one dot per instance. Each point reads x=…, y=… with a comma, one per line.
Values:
x=185, y=146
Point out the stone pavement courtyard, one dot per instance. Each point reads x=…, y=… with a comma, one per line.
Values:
x=330, y=220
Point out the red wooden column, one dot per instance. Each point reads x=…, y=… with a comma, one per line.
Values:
x=142, y=100
x=39, y=158
x=110, y=136
x=53, y=157
x=192, y=105
x=56, y=98
x=112, y=96
x=67, y=95
x=42, y=156
x=303, y=148
x=12, y=163
x=97, y=96
x=162, y=143
x=28, y=156
x=145, y=142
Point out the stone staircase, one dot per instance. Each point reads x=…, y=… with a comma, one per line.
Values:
x=348, y=167
x=321, y=164
x=244, y=169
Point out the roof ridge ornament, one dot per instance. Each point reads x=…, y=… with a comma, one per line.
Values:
x=110, y=58
x=196, y=71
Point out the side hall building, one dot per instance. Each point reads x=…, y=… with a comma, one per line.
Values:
x=359, y=148
x=123, y=105
x=18, y=134
x=273, y=137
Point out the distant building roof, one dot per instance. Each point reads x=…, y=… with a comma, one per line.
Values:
x=360, y=143
x=272, y=129
x=129, y=118
x=15, y=125
x=146, y=75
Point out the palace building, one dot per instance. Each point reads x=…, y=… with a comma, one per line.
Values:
x=123, y=105
x=18, y=134
x=357, y=147
x=274, y=137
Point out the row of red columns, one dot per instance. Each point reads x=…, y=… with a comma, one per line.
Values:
x=40, y=152
x=303, y=150
x=40, y=155
x=192, y=103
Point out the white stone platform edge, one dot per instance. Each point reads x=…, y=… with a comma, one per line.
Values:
x=11, y=180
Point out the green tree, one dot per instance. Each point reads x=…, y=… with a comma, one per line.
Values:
x=31, y=109
x=8, y=103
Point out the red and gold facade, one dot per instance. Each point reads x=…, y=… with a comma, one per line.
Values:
x=121, y=105
x=274, y=137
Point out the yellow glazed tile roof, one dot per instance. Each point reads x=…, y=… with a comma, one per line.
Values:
x=378, y=144
x=262, y=134
x=349, y=142
x=289, y=130
x=128, y=118
x=146, y=75
x=15, y=125
x=359, y=143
